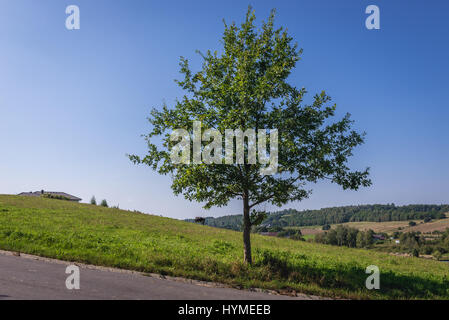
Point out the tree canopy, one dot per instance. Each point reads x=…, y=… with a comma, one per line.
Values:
x=244, y=86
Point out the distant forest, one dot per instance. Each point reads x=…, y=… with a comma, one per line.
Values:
x=374, y=213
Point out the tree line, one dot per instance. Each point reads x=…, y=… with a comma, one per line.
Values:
x=414, y=243
x=346, y=236
x=373, y=213
x=335, y=215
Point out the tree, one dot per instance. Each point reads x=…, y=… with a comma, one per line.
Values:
x=245, y=87
x=342, y=235
x=360, y=240
x=331, y=237
x=368, y=238
x=93, y=201
x=104, y=203
x=352, y=237
x=412, y=223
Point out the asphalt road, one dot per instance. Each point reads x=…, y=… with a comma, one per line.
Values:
x=29, y=278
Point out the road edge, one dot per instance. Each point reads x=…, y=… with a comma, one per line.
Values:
x=159, y=276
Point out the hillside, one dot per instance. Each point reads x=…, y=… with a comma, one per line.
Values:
x=337, y=215
x=132, y=240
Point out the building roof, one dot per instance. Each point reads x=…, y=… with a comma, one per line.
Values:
x=30, y=194
x=39, y=193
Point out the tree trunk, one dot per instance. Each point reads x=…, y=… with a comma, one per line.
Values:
x=246, y=230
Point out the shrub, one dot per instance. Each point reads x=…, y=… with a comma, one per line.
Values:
x=297, y=236
x=104, y=203
x=427, y=250
x=396, y=234
x=292, y=234
x=200, y=220
x=437, y=254
x=54, y=196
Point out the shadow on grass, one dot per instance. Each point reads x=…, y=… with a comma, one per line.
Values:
x=287, y=270
x=296, y=268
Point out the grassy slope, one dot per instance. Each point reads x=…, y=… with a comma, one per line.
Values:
x=112, y=237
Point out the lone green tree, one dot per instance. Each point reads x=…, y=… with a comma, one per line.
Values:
x=244, y=86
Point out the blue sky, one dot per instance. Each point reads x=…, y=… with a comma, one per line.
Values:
x=73, y=103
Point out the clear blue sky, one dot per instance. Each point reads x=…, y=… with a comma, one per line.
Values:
x=73, y=103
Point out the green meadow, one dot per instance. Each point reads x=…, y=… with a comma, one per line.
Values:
x=152, y=244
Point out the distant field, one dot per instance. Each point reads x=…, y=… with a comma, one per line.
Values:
x=387, y=227
x=135, y=241
x=437, y=225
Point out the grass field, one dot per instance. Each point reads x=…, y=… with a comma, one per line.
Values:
x=123, y=239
